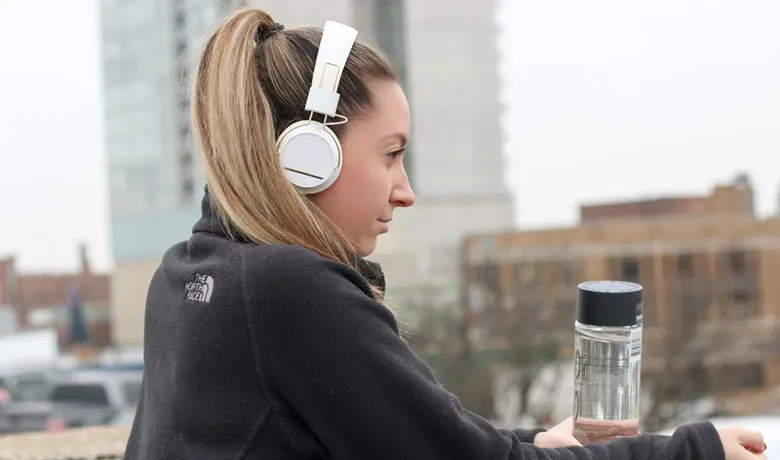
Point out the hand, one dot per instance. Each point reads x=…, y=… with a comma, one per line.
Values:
x=559, y=436
x=742, y=444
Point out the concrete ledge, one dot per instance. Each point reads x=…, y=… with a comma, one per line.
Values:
x=99, y=443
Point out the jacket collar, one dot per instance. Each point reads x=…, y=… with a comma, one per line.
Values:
x=210, y=223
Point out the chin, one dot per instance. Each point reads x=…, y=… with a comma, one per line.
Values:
x=366, y=247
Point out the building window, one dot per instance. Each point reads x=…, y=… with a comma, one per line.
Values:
x=188, y=190
x=390, y=27
x=741, y=295
x=685, y=265
x=491, y=278
x=184, y=131
x=629, y=270
x=186, y=159
x=737, y=263
x=179, y=20
x=738, y=377
x=389, y=23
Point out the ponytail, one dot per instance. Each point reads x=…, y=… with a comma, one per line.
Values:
x=235, y=125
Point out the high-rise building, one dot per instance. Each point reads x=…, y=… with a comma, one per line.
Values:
x=448, y=63
x=155, y=182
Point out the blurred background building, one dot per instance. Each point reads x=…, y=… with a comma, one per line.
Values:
x=455, y=160
x=8, y=295
x=709, y=270
x=41, y=301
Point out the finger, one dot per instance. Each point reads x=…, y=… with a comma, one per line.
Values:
x=566, y=440
x=566, y=426
x=752, y=439
x=568, y=422
x=552, y=440
x=756, y=451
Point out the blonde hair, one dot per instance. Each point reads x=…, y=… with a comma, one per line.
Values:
x=245, y=94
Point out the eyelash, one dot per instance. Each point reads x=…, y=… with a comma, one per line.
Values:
x=396, y=153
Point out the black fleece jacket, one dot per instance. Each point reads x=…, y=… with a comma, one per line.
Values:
x=273, y=352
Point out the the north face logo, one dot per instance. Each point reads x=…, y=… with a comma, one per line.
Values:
x=200, y=288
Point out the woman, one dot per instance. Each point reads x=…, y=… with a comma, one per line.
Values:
x=266, y=335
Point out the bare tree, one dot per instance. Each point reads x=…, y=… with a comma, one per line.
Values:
x=526, y=331
x=673, y=380
x=674, y=370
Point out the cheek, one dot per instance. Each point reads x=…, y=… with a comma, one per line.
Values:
x=368, y=183
x=357, y=198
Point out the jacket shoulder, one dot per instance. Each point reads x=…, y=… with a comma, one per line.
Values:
x=281, y=255
x=276, y=267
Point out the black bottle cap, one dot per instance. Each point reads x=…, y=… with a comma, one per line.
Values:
x=609, y=303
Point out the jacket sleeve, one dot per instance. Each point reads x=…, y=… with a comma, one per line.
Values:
x=333, y=355
x=527, y=435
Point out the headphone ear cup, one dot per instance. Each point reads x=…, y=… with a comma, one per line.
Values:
x=311, y=156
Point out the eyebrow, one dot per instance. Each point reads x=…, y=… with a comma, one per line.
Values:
x=400, y=136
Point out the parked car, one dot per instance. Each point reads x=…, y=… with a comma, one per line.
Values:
x=5, y=393
x=82, y=399
x=124, y=418
x=28, y=386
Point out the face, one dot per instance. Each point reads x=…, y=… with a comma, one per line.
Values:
x=373, y=181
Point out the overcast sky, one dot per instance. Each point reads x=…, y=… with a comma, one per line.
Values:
x=608, y=100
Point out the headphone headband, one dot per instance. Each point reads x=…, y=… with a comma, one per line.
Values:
x=310, y=151
x=336, y=44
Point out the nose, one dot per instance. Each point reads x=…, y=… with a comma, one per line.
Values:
x=402, y=195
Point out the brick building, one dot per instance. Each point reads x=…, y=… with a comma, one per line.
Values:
x=8, y=322
x=710, y=273
x=735, y=199
x=40, y=300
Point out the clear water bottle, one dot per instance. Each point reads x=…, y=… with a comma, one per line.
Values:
x=607, y=360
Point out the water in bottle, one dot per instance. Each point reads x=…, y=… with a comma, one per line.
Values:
x=607, y=360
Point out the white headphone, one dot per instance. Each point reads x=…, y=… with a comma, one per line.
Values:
x=310, y=152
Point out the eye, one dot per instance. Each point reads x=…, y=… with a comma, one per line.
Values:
x=396, y=153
